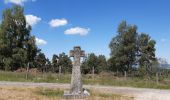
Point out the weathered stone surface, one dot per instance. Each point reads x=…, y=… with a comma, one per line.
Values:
x=74, y=96
x=76, y=82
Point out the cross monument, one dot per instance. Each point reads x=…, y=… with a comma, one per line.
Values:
x=76, y=82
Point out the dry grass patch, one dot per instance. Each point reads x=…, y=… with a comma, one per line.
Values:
x=41, y=93
x=97, y=95
x=27, y=93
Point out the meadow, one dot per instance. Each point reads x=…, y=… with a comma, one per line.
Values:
x=41, y=93
x=99, y=79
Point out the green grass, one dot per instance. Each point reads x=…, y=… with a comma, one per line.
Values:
x=50, y=92
x=12, y=76
x=129, y=82
x=87, y=79
x=47, y=77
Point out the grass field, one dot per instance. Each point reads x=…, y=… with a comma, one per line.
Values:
x=87, y=79
x=40, y=93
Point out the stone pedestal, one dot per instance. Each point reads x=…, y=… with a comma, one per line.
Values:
x=74, y=96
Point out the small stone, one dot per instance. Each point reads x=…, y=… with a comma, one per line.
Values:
x=86, y=93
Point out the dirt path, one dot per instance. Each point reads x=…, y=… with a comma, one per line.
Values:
x=137, y=93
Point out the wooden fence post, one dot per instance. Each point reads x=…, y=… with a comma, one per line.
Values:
x=125, y=74
x=157, y=78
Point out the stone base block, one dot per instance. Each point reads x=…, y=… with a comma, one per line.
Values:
x=74, y=96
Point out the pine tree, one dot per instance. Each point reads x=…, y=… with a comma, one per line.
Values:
x=102, y=63
x=65, y=63
x=55, y=64
x=123, y=47
x=146, y=54
x=41, y=61
x=17, y=46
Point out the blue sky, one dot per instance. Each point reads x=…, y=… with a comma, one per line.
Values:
x=61, y=24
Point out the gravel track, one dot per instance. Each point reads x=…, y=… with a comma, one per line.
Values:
x=137, y=93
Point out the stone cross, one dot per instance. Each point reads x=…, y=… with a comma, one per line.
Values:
x=76, y=82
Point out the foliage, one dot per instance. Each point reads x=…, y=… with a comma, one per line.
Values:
x=102, y=63
x=55, y=63
x=123, y=47
x=129, y=49
x=41, y=61
x=65, y=62
x=99, y=64
x=146, y=48
x=17, y=46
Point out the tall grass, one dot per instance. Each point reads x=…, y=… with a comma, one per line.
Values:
x=87, y=79
x=45, y=77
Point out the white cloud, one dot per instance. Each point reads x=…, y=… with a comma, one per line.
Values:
x=77, y=30
x=58, y=22
x=32, y=20
x=40, y=41
x=18, y=2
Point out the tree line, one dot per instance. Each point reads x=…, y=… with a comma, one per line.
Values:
x=130, y=50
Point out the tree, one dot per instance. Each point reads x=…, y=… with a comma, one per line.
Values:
x=90, y=65
x=85, y=69
x=102, y=63
x=65, y=63
x=123, y=47
x=41, y=61
x=6, y=38
x=112, y=65
x=146, y=53
x=94, y=64
x=32, y=50
x=163, y=67
x=48, y=65
x=55, y=64
x=16, y=43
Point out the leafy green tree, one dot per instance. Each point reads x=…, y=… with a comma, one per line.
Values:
x=90, y=65
x=41, y=61
x=48, y=66
x=65, y=63
x=55, y=64
x=147, y=49
x=85, y=69
x=123, y=47
x=112, y=65
x=16, y=42
x=93, y=63
x=32, y=51
x=8, y=63
x=6, y=38
x=102, y=63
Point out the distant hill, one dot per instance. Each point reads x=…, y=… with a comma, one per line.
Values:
x=165, y=66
